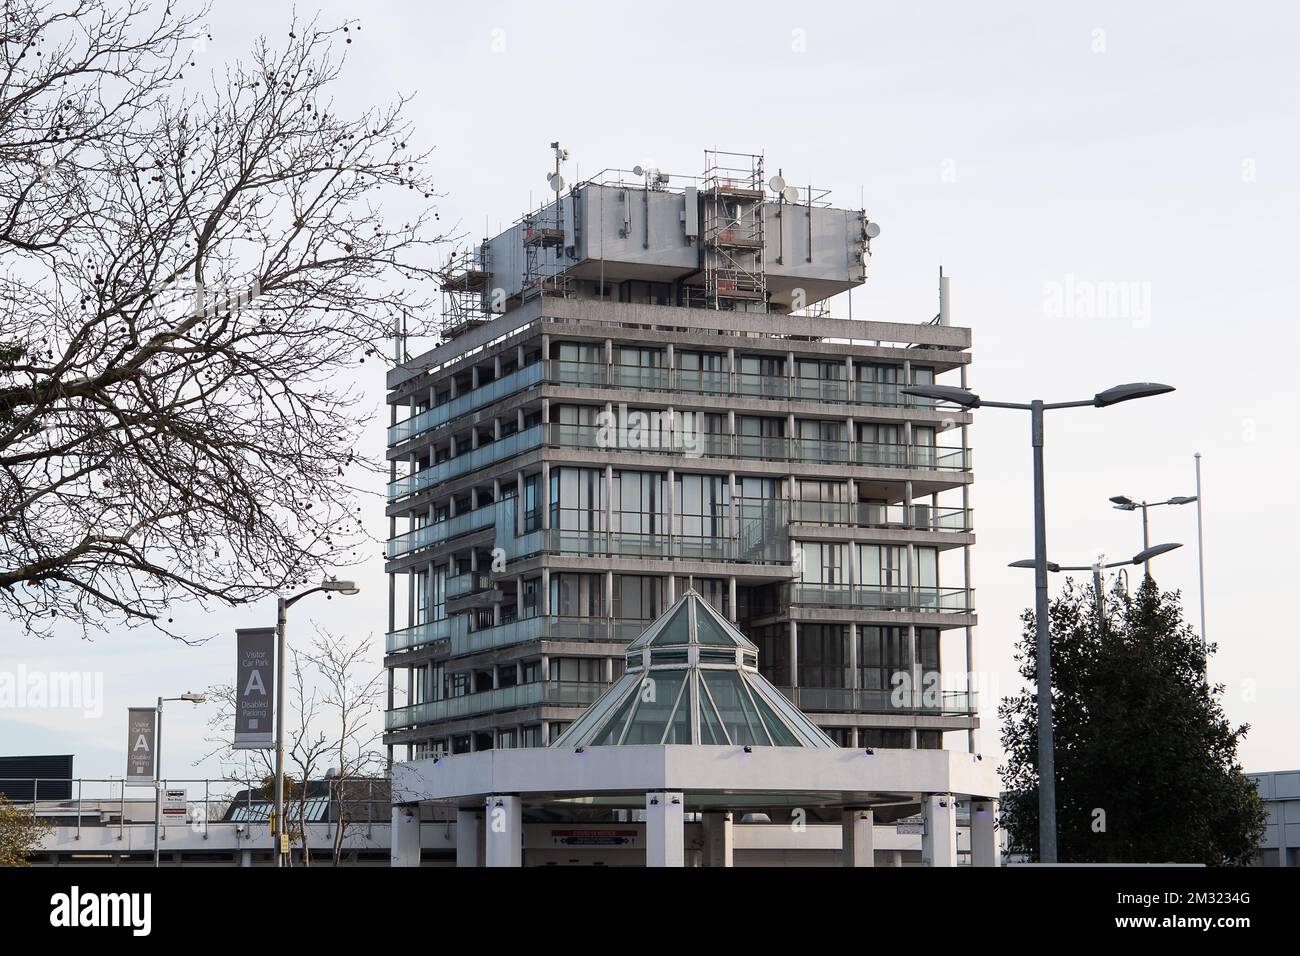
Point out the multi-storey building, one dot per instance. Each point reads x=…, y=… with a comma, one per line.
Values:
x=641, y=389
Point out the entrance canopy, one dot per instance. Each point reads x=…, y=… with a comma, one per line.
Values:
x=692, y=678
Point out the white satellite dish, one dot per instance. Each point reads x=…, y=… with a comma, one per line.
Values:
x=791, y=193
x=871, y=230
x=638, y=171
x=556, y=181
x=776, y=184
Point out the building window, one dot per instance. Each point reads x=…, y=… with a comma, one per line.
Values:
x=637, y=597
x=577, y=595
x=640, y=502
x=507, y=739
x=882, y=652
x=531, y=736
x=532, y=671
x=823, y=655
x=557, y=727
x=578, y=670
x=703, y=504
x=577, y=499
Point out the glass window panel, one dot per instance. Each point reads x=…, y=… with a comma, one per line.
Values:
x=655, y=702
x=735, y=707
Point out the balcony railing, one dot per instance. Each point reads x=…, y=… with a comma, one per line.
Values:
x=441, y=531
x=691, y=444
x=772, y=548
x=561, y=693
x=868, y=515
x=473, y=460
x=471, y=582
x=934, y=600
x=852, y=700
x=516, y=381
x=743, y=384
x=432, y=632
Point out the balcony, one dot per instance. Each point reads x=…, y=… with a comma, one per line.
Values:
x=690, y=444
x=749, y=547
x=869, y=515
x=441, y=531
x=919, y=599
x=742, y=384
x=431, y=632
x=849, y=700
x=562, y=693
x=480, y=457
x=471, y=582
x=516, y=381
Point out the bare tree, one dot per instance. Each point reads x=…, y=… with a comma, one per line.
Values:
x=190, y=283
x=351, y=688
x=333, y=733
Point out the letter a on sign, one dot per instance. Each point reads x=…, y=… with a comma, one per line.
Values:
x=141, y=725
x=254, y=680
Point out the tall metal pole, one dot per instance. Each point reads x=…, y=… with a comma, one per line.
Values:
x=1046, y=756
x=1146, y=540
x=1097, y=586
x=1200, y=563
x=157, y=781
x=281, y=616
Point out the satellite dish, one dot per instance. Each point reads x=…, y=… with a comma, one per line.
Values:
x=871, y=230
x=638, y=171
x=776, y=184
x=791, y=193
x=556, y=181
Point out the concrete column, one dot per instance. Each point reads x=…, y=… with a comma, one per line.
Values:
x=405, y=849
x=469, y=826
x=984, y=849
x=794, y=654
x=718, y=846
x=505, y=831
x=858, y=840
x=939, y=843
x=665, y=829
x=731, y=599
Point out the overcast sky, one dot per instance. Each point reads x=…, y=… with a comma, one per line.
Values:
x=1037, y=153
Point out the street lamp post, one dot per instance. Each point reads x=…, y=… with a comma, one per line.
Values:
x=1046, y=756
x=1142, y=557
x=1125, y=503
x=282, y=608
x=193, y=698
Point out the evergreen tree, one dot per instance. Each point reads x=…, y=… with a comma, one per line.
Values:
x=1146, y=760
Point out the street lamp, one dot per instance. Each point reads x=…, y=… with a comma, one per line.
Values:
x=1142, y=557
x=1046, y=757
x=195, y=699
x=1125, y=503
x=283, y=604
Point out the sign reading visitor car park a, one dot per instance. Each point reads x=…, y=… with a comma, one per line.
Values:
x=141, y=725
x=254, y=688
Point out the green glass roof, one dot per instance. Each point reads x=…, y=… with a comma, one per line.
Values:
x=693, y=678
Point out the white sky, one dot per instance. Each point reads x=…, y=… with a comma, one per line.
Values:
x=1018, y=145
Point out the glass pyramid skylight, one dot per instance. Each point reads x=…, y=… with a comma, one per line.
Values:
x=692, y=678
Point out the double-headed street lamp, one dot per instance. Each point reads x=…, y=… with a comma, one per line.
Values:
x=334, y=587
x=1046, y=757
x=193, y=698
x=1125, y=503
x=1142, y=557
